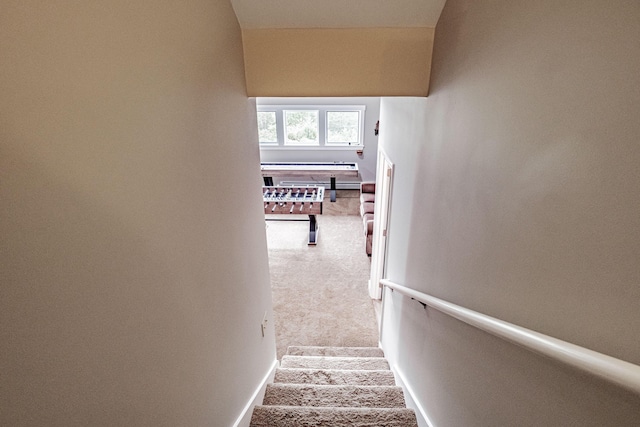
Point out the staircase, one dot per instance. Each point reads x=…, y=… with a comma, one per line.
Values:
x=333, y=386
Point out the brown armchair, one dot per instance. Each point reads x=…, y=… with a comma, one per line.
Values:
x=367, y=206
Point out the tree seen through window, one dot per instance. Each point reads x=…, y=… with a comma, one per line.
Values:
x=343, y=127
x=301, y=127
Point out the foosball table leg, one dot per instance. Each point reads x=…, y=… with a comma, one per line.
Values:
x=313, y=230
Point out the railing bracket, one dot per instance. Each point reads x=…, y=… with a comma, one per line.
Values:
x=424, y=305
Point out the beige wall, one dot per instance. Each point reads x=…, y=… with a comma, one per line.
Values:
x=516, y=195
x=338, y=62
x=131, y=291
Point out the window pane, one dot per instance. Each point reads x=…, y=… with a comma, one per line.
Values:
x=267, y=126
x=301, y=127
x=343, y=127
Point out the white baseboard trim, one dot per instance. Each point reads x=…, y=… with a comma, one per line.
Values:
x=245, y=416
x=411, y=401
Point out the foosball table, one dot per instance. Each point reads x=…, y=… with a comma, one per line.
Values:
x=332, y=170
x=304, y=200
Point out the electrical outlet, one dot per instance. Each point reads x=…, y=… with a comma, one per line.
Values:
x=263, y=325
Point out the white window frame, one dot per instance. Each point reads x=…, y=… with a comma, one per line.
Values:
x=322, y=126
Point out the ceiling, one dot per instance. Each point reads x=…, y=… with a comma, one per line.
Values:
x=254, y=14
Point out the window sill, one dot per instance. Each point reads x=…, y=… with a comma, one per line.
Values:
x=313, y=148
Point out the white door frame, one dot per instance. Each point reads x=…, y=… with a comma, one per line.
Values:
x=384, y=179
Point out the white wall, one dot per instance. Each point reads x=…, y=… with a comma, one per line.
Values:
x=367, y=162
x=132, y=293
x=516, y=195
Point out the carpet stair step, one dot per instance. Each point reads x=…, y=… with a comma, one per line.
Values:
x=334, y=376
x=321, y=362
x=331, y=386
x=287, y=416
x=335, y=351
x=334, y=395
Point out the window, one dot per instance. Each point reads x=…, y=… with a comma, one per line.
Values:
x=301, y=127
x=343, y=127
x=267, y=127
x=306, y=126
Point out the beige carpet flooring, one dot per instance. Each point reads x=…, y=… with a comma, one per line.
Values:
x=331, y=386
x=320, y=292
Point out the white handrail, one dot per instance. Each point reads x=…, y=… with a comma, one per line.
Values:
x=614, y=370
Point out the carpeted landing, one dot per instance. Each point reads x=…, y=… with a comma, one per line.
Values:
x=320, y=293
x=333, y=386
